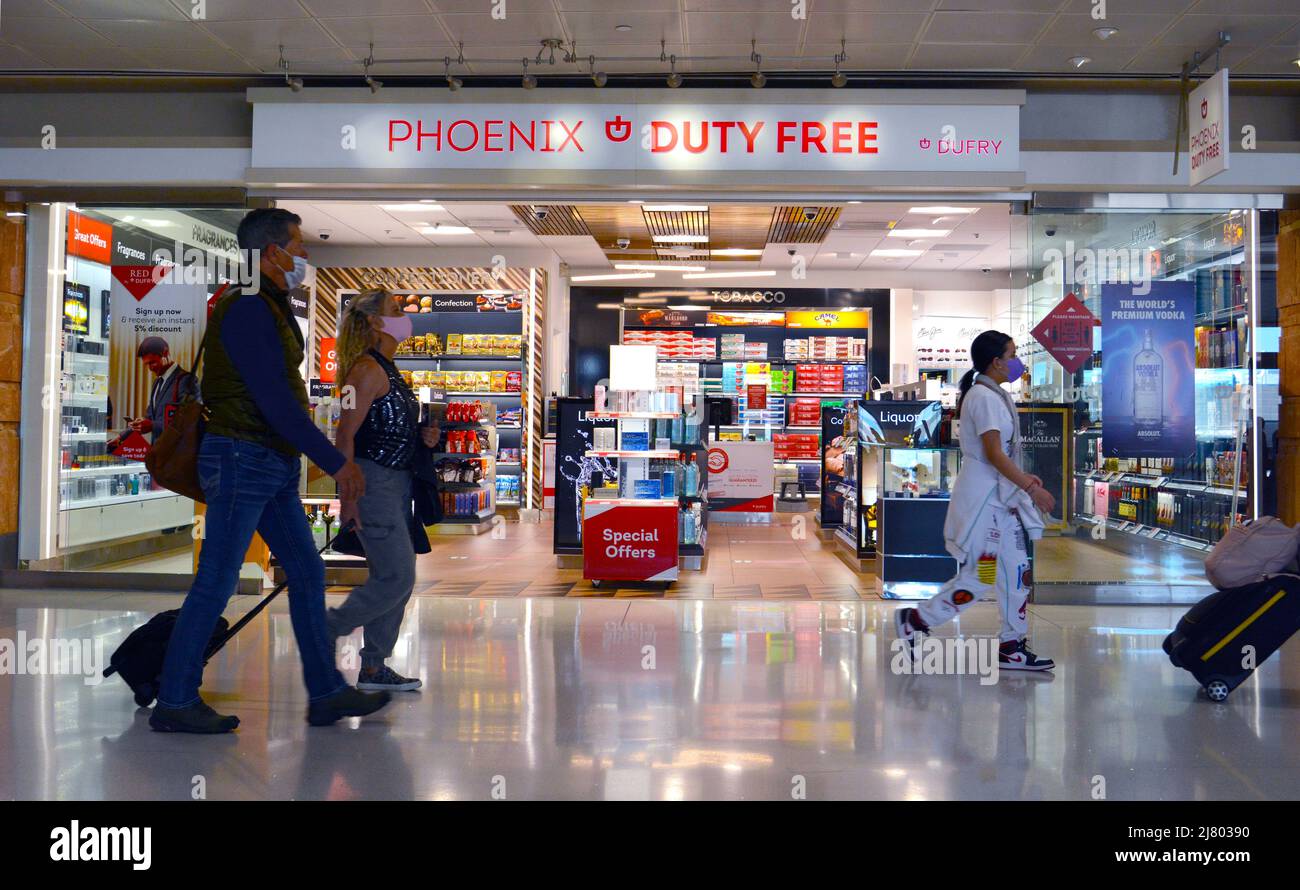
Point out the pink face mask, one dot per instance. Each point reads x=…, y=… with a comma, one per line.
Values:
x=396, y=326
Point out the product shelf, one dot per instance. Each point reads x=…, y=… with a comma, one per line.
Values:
x=663, y=455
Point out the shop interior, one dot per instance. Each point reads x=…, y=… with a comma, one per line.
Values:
x=792, y=422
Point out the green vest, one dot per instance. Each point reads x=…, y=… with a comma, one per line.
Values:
x=231, y=409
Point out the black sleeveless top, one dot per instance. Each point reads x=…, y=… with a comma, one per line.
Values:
x=390, y=431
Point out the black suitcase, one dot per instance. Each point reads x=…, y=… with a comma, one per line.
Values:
x=1210, y=641
x=139, y=659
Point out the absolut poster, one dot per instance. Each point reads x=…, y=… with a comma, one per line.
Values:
x=1148, y=361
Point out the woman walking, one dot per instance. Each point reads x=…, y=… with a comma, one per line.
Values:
x=995, y=508
x=380, y=428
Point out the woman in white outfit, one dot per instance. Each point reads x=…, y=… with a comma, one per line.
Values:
x=995, y=508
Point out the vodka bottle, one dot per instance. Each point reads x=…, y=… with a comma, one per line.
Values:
x=1148, y=385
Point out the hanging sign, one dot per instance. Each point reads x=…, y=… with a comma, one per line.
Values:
x=1066, y=333
x=1207, y=130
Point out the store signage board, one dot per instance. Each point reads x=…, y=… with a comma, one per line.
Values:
x=914, y=424
x=829, y=319
x=832, y=469
x=1207, y=132
x=1066, y=333
x=741, y=477
x=1148, y=369
x=89, y=238
x=329, y=360
x=76, y=308
x=622, y=542
x=888, y=136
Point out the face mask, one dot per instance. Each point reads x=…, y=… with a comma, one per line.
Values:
x=298, y=274
x=1015, y=369
x=396, y=326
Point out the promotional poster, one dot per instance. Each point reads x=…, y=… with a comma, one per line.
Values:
x=741, y=478
x=1148, y=364
x=1045, y=432
x=154, y=334
x=833, y=456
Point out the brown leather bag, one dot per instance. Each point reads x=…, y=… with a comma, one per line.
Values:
x=173, y=461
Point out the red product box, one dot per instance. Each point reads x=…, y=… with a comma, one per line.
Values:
x=514, y=381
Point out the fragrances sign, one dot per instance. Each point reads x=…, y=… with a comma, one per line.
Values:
x=1148, y=370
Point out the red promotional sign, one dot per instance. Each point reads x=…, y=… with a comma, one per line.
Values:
x=1066, y=333
x=138, y=280
x=629, y=543
x=89, y=238
x=329, y=359
x=133, y=447
x=756, y=396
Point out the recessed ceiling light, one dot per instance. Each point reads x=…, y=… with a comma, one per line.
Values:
x=756, y=273
x=1105, y=33
x=736, y=251
x=421, y=207
x=1080, y=61
x=919, y=233
x=940, y=210
x=624, y=28
x=446, y=230
x=681, y=239
x=896, y=251
x=676, y=208
x=653, y=267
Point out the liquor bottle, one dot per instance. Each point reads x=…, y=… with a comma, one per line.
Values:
x=1148, y=385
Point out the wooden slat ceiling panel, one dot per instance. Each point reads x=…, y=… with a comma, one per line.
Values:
x=790, y=227
x=561, y=219
x=609, y=222
x=677, y=222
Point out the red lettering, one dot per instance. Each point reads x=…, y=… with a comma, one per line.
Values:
x=391, y=127
x=686, y=138
x=546, y=146
x=984, y=146
x=866, y=135
x=810, y=127
x=530, y=140
x=488, y=135
x=420, y=136
x=451, y=134
x=570, y=136
x=722, y=127
x=841, y=139
x=750, y=135
x=782, y=137
x=657, y=127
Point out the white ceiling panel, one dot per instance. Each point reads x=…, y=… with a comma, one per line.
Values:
x=877, y=27
x=325, y=8
x=741, y=27
x=985, y=27
x=158, y=35
x=516, y=27
x=109, y=9
x=951, y=56
x=388, y=30
x=20, y=8
x=295, y=34
x=250, y=10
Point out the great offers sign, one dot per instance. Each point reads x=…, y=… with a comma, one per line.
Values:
x=1207, y=131
x=933, y=134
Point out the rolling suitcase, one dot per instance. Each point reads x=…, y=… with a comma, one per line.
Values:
x=1211, y=641
x=139, y=659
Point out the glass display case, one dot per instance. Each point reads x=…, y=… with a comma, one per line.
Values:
x=912, y=489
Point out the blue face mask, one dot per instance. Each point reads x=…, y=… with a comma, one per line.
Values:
x=298, y=274
x=1015, y=369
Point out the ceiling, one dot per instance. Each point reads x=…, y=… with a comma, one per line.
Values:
x=585, y=236
x=333, y=36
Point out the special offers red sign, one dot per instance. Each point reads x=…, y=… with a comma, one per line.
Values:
x=629, y=543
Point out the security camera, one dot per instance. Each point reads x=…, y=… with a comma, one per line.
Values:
x=623, y=243
x=541, y=213
x=986, y=270
x=791, y=251
x=325, y=234
x=1050, y=231
x=809, y=214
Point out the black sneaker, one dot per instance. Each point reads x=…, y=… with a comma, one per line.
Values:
x=347, y=702
x=907, y=624
x=197, y=718
x=1015, y=656
x=386, y=679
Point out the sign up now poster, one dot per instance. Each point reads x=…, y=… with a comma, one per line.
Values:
x=1148, y=362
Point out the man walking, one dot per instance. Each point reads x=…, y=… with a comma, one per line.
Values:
x=248, y=467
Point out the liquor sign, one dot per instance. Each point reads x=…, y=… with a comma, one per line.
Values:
x=890, y=134
x=623, y=542
x=1207, y=132
x=1045, y=434
x=1148, y=374
x=914, y=424
x=741, y=477
x=1066, y=333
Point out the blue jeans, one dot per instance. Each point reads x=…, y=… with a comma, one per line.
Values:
x=250, y=488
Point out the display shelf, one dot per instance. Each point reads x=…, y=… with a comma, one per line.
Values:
x=508, y=503
x=119, y=499
x=654, y=455
x=826, y=395
x=461, y=455
x=509, y=463
x=510, y=426
x=472, y=518
x=633, y=415
x=462, y=486
x=113, y=470
x=69, y=438
x=690, y=549
x=459, y=358
x=452, y=394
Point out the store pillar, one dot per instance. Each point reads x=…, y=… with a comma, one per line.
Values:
x=13, y=234
x=1288, y=307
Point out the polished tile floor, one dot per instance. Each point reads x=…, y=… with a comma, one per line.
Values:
x=560, y=698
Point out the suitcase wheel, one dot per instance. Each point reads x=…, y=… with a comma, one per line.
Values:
x=145, y=693
x=1217, y=690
